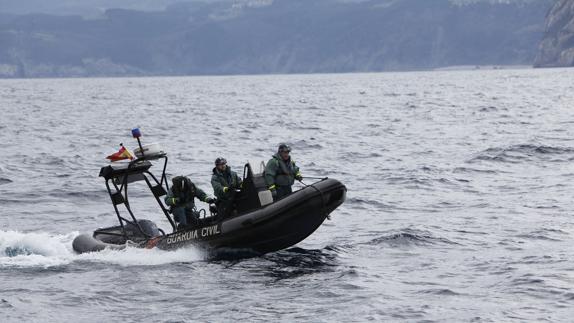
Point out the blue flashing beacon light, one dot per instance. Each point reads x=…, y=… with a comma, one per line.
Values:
x=136, y=133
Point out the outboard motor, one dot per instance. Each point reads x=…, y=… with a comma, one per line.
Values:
x=254, y=194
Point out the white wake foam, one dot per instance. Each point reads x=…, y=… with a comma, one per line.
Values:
x=143, y=257
x=40, y=249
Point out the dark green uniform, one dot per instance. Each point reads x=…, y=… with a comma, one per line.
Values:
x=181, y=198
x=280, y=175
x=224, y=185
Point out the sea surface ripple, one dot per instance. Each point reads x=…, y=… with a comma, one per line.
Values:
x=459, y=204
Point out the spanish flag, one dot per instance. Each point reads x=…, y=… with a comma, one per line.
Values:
x=123, y=153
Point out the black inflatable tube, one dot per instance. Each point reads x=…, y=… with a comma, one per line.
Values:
x=86, y=243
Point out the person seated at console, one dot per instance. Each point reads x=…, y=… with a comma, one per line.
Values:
x=225, y=183
x=181, y=199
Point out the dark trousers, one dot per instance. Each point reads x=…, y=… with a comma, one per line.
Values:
x=282, y=191
x=184, y=216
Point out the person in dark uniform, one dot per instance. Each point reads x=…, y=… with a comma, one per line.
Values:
x=281, y=172
x=225, y=183
x=181, y=198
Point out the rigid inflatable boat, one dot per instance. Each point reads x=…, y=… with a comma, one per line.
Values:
x=257, y=225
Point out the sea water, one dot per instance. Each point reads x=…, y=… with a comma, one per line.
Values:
x=459, y=204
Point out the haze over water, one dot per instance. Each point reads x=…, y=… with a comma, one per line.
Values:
x=459, y=204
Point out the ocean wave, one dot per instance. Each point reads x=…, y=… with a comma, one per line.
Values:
x=5, y=303
x=544, y=234
x=524, y=152
x=411, y=180
x=306, y=144
x=354, y=155
x=364, y=203
x=539, y=260
x=474, y=170
x=528, y=279
x=426, y=182
x=46, y=159
x=409, y=237
x=336, y=248
x=304, y=258
x=79, y=194
x=439, y=291
x=489, y=109
x=535, y=236
x=543, y=287
x=57, y=196
x=5, y=180
x=295, y=262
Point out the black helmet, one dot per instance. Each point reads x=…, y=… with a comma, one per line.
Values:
x=220, y=161
x=283, y=147
x=181, y=184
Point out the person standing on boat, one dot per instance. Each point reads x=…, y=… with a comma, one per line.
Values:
x=181, y=198
x=281, y=172
x=225, y=182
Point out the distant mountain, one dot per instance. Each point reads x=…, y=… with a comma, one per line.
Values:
x=91, y=8
x=87, y=8
x=557, y=47
x=273, y=36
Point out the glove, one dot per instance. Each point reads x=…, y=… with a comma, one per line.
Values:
x=210, y=200
x=298, y=176
x=273, y=190
x=225, y=189
x=174, y=200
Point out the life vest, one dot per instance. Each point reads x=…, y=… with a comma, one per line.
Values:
x=285, y=173
x=228, y=178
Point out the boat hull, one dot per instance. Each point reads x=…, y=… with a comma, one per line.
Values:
x=276, y=226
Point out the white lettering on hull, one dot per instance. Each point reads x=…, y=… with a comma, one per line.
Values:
x=194, y=234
